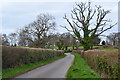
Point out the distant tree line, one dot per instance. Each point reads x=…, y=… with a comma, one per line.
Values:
x=62, y=41
x=113, y=39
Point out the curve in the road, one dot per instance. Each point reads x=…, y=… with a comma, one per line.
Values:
x=57, y=69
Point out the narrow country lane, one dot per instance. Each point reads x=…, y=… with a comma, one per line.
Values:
x=57, y=69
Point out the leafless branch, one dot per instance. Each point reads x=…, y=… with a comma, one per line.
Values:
x=66, y=28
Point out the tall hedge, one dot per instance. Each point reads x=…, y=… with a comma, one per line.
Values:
x=103, y=61
x=13, y=56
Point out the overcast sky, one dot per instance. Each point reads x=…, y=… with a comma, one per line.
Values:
x=16, y=15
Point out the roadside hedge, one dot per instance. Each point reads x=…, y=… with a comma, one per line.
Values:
x=105, y=62
x=14, y=56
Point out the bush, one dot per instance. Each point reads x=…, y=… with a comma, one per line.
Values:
x=15, y=56
x=77, y=51
x=81, y=52
x=110, y=46
x=103, y=61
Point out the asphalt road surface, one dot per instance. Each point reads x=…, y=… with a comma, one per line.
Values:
x=57, y=69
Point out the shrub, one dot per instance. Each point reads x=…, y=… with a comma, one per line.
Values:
x=110, y=46
x=15, y=56
x=103, y=61
x=81, y=52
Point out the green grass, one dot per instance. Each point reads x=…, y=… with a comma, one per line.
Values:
x=54, y=47
x=80, y=69
x=68, y=47
x=108, y=49
x=81, y=47
x=7, y=73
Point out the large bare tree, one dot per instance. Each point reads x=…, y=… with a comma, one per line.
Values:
x=81, y=17
x=37, y=31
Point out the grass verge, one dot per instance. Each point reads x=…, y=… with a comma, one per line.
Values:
x=0, y=75
x=80, y=69
x=7, y=73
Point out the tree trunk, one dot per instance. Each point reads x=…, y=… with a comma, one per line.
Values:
x=66, y=48
x=59, y=47
x=91, y=47
x=87, y=43
x=77, y=47
x=73, y=48
x=86, y=47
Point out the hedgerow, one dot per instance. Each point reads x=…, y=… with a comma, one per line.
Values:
x=15, y=56
x=105, y=62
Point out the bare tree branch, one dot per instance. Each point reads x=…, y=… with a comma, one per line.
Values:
x=106, y=29
x=81, y=16
x=66, y=28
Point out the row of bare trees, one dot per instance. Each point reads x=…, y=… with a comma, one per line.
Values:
x=62, y=41
x=33, y=34
x=113, y=39
x=11, y=39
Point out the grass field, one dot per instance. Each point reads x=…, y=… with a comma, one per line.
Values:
x=68, y=47
x=80, y=69
x=7, y=73
x=81, y=47
x=75, y=47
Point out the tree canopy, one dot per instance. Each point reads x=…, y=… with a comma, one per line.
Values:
x=81, y=17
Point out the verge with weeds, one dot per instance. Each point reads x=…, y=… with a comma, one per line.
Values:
x=10, y=72
x=80, y=69
x=15, y=56
x=104, y=62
